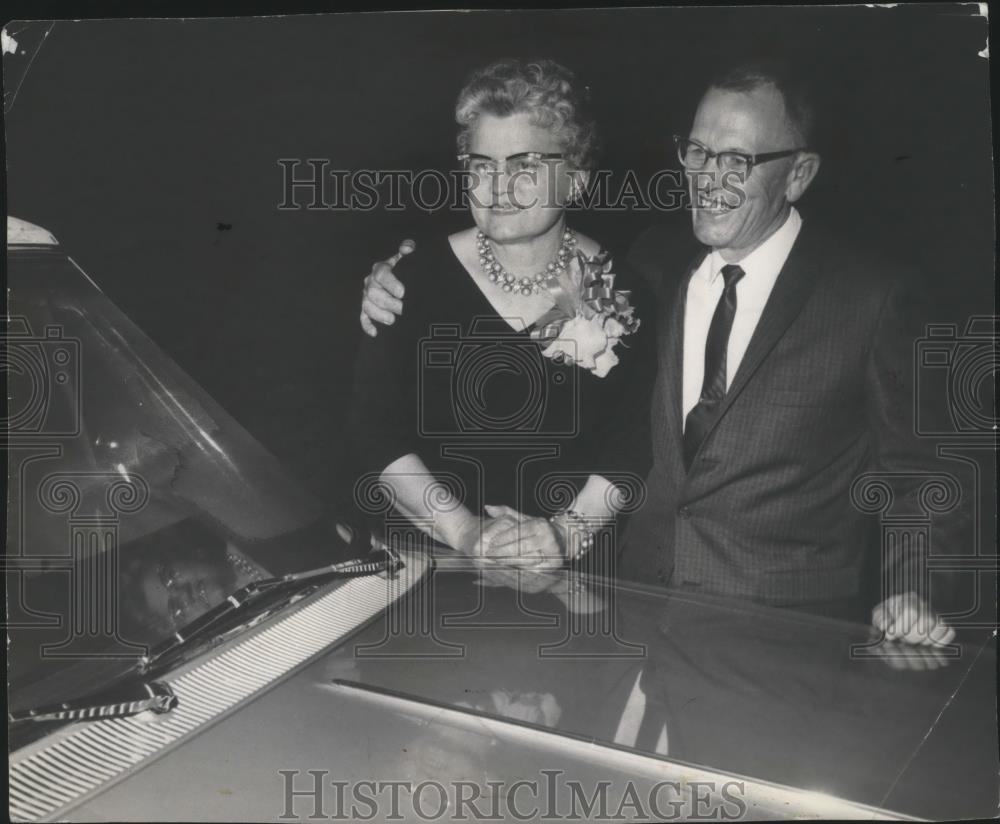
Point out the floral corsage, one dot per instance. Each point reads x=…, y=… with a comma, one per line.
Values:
x=590, y=316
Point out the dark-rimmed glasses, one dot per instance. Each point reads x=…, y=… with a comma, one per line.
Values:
x=693, y=155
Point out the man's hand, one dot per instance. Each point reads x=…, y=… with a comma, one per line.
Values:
x=521, y=541
x=382, y=298
x=908, y=618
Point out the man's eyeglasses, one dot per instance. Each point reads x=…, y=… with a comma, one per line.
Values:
x=695, y=156
x=520, y=163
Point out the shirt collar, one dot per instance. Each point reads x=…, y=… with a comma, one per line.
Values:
x=769, y=256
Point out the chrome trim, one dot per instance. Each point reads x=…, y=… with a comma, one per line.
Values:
x=762, y=796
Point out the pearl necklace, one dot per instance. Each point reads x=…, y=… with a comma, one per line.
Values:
x=526, y=286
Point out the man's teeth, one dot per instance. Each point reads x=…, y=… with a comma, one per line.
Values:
x=716, y=203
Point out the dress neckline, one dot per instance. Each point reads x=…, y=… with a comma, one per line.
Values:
x=474, y=286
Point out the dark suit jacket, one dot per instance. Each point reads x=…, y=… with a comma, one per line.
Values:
x=823, y=394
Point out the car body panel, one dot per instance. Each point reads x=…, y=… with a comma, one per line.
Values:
x=762, y=695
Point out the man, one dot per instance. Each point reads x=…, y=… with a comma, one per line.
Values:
x=783, y=373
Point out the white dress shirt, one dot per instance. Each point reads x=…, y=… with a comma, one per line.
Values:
x=761, y=268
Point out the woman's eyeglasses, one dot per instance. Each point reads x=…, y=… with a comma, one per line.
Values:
x=693, y=155
x=520, y=163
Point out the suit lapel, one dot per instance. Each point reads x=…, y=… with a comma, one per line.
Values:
x=791, y=290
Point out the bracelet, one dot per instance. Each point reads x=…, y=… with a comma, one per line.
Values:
x=581, y=524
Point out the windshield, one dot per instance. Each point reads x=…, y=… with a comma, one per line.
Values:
x=136, y=503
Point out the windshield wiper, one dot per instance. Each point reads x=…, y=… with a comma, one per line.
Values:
x=270, y=593
x=127, y=698
x=137, y=692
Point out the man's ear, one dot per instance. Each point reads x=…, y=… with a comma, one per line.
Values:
x=804, y=169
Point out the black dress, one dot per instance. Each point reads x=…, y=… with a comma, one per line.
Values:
x=452, y=382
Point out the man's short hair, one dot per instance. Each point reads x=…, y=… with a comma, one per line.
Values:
x=791, y=82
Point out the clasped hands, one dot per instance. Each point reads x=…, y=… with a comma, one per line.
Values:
x=529, y=555
x=513, y=539
x=511, y=549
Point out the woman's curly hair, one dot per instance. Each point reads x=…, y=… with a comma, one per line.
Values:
x=546, y=90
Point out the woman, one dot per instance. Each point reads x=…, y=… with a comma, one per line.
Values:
x=462, y=405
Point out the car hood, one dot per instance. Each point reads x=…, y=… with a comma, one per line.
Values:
x=465, y=679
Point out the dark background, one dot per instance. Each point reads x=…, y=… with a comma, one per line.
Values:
x=132, y=141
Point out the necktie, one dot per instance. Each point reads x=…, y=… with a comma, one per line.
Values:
x=713, y=388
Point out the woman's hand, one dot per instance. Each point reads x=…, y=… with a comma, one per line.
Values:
x=520, y=540
x=466, y=533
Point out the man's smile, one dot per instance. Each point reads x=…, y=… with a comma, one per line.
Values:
x=714, y=204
